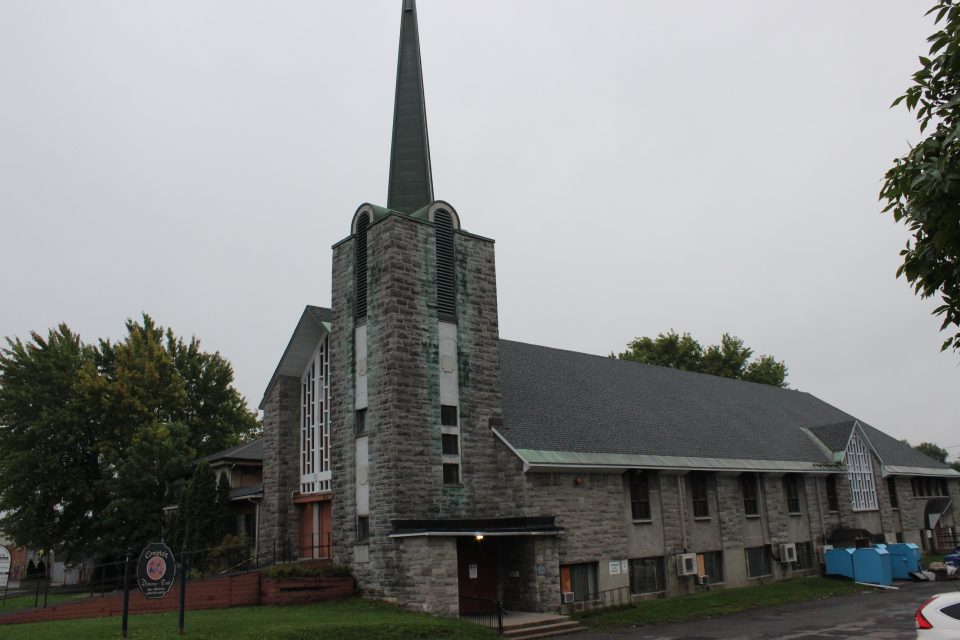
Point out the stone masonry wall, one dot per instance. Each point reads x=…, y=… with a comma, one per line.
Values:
x=281, y=473
x=403, y=412
x=427, y=570
x=342, y=402
x=593, y=514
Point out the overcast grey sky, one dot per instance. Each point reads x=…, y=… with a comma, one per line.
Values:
x=703, y=166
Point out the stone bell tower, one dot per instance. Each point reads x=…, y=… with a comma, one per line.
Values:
x=415, y=372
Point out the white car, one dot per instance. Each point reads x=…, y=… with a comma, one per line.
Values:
x=938, y=618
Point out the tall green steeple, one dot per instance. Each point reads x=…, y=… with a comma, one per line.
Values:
x=411, y=181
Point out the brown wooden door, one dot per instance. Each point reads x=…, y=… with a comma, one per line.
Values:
x=477, y=570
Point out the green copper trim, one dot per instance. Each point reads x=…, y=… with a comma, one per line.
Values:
x=892, y=470
x=411, y=180
x=557, y=460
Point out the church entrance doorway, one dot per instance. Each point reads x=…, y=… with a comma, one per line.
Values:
x=477, y=573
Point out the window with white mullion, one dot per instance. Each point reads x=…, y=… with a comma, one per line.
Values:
x=307, y=427
x=863, y=491
x=315, y=422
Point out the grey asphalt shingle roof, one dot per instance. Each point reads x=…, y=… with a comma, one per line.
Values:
x=252, y=451
x=556, y=400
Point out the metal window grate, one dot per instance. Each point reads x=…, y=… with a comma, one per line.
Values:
x=446, y=277
x=361, y=267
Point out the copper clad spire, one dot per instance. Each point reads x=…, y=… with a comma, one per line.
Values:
x=411, y=181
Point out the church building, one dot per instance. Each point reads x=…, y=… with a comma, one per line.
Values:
x=404, y=438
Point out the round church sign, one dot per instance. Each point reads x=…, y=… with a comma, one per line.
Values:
x=156, y=570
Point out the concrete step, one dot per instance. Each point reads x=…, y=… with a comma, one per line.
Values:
x=542, y=630
x=510, y=620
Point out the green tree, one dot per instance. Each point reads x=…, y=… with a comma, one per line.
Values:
x=50, y=469
x=730, y=358
x=202, y=525
x=922, y=189
x=224, y=513
x=96, y=440
x=668, y=350
x=934, y=451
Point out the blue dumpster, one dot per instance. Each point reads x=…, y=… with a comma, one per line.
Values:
x=840, y=562
x=904, y=559
x=872, y=565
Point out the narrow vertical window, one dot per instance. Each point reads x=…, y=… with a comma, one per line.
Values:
x=361, y=423
x=698, y=491
x=361, y=267
x=639, y=495
x=833, y=503
x=748, y=484
x=791, y=490
x=892, y=491
x=446, y=281
x=363, y=529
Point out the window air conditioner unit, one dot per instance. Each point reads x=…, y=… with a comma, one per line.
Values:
x=702, y=580
x=568, y=597
x=687, y=564
x=788, y=552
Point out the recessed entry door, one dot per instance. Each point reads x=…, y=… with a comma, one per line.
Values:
x=477, y=568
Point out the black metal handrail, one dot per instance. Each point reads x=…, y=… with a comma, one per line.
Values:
x=491, y=614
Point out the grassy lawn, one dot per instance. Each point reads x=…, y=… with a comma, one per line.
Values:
x=353, y=619
x=717, y=603
x=26, y=602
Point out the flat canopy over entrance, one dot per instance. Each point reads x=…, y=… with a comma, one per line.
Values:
x=486, y=527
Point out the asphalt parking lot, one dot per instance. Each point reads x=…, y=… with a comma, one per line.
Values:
x=878, y=614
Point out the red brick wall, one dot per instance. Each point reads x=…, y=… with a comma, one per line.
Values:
x=245, y=590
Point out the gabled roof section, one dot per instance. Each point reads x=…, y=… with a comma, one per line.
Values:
x=247, y=452
x=896, y=456
x=313, y=325
x=411, y=179
x=565, y=409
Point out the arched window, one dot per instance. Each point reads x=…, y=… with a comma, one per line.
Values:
x=361, y=267
x=446, y=279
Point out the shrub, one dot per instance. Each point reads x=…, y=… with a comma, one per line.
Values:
x=295, y=570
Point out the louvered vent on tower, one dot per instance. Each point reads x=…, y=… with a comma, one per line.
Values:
x=361, y=270
x=446, y=281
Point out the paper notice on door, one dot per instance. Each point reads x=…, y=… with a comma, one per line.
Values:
x=473, y=572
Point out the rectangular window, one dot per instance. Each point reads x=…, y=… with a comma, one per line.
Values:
x=804, y=555
x=892, y=491
x=647, y=575
x=363, y=529
x=361, y=422
x=751, y=503
x=451, y=473
x=579, y=579
x=942, y=484
x=833, y=504
x=448, y=415
x=698, y=491
x=451, y=444
x=640, y=495
x=791, y=490
x=758, y=562
x=710, y=565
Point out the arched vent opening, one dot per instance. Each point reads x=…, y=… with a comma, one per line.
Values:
x=446, y=281
x=361, y=266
